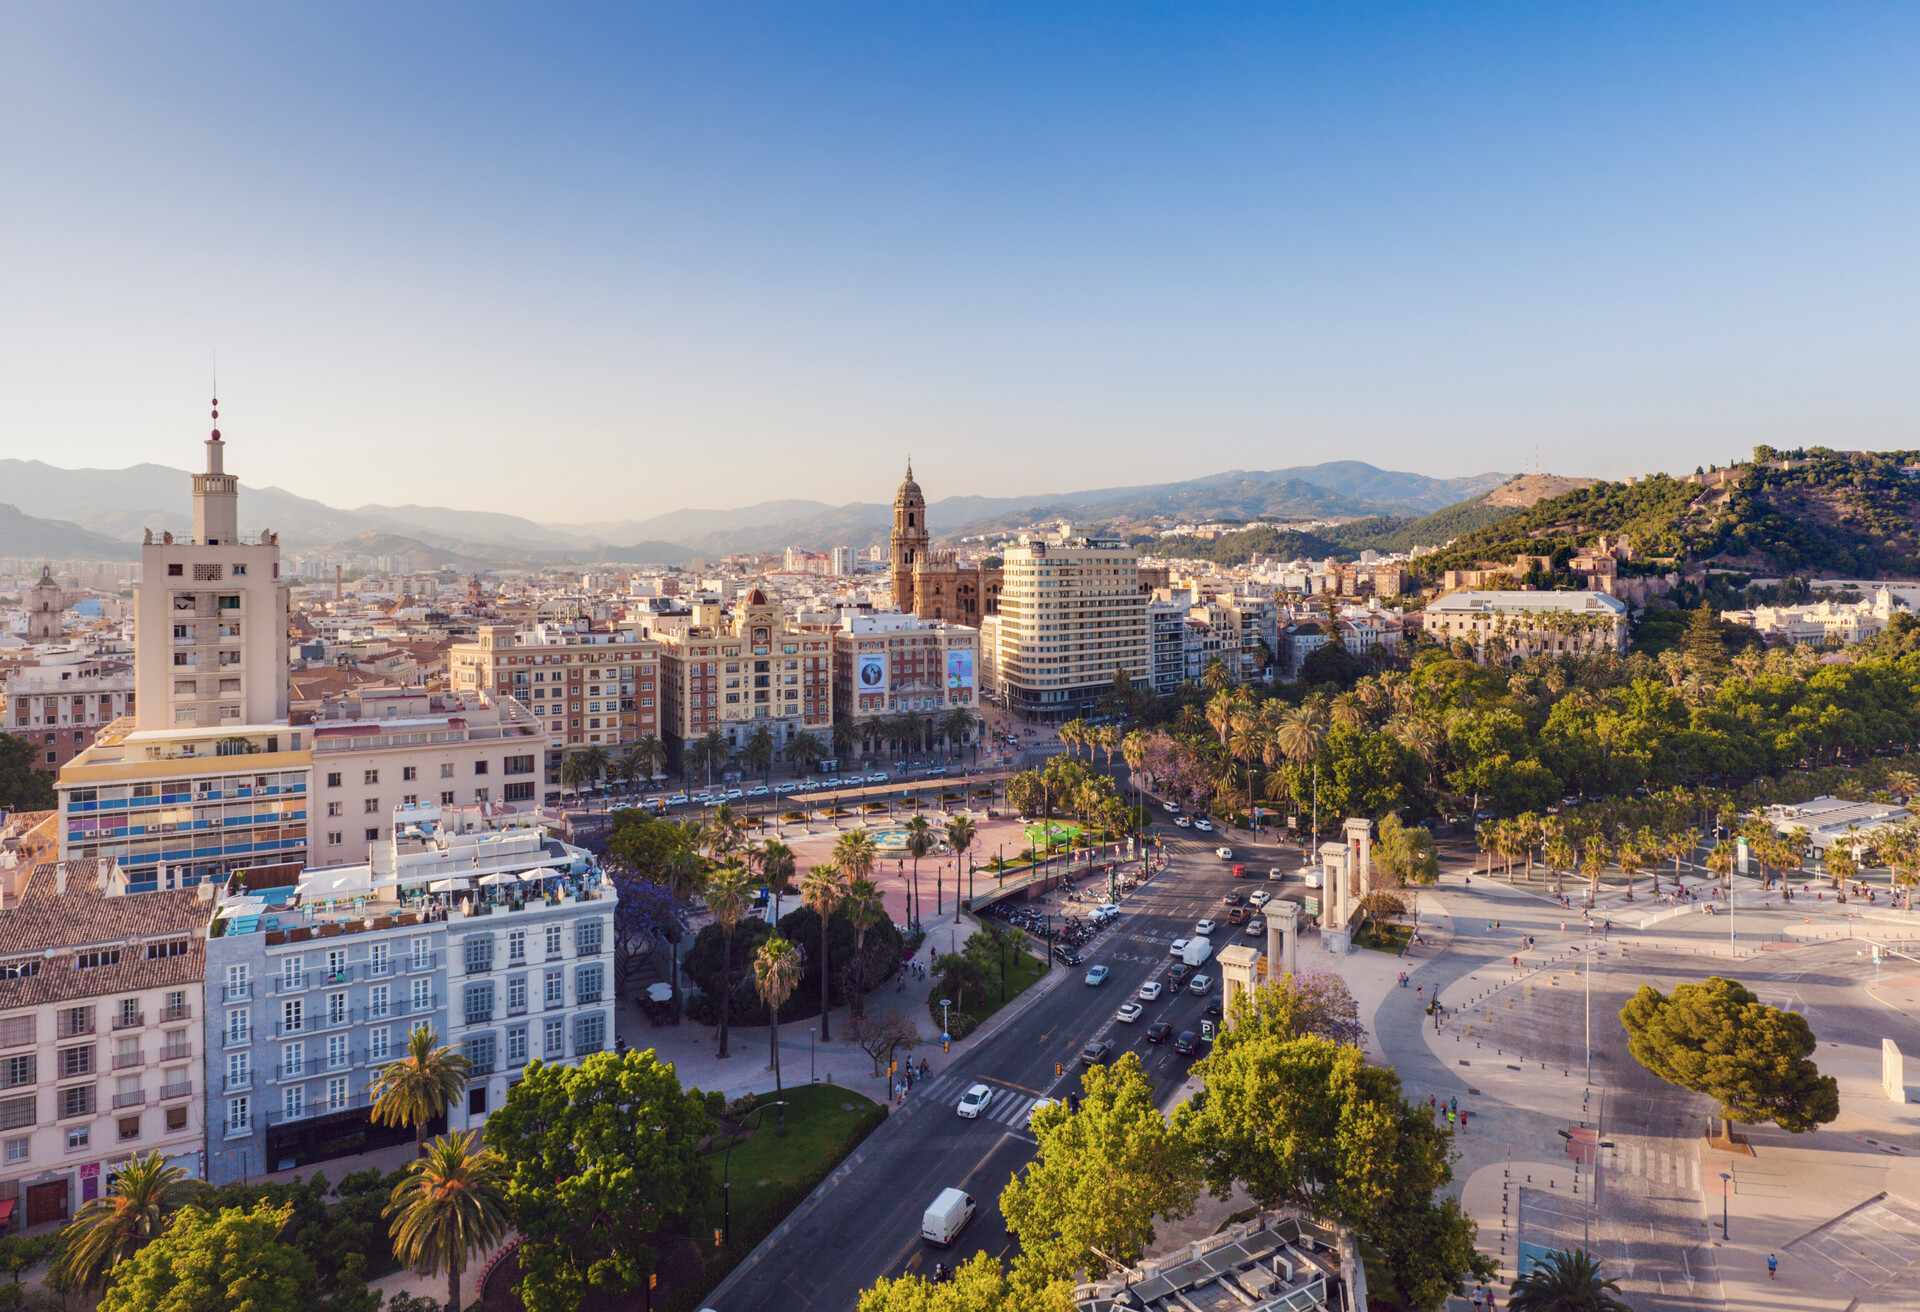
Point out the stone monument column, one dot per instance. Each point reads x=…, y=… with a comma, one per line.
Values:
x=1237, y=965
x=1336, y=895
x=1283, y=939
x=1359, y=836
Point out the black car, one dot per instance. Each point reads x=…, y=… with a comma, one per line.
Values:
x=1234, y=900
x=1214, y=1011
x=1187, y=1044
x=1067, y=956
x=1177, y=973
x=1158, y=1032
x=1097, y=1052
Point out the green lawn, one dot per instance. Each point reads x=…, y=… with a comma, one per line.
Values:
x=1383, y=937
x=821, y=1122
x=1037, y=834
x=1022, y=967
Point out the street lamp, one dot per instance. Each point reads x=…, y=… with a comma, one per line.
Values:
x=1726, y=1183
x=812, y=1034
x=946, y=1038
x=726, y=1175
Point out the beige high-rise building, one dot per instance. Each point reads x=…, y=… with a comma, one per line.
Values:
x=1071, y=614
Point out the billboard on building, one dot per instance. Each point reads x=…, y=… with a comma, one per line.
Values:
x=870, y=672
x=959, y=669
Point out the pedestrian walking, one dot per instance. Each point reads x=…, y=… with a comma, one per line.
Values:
x=1478, y=1301
x=1453, y=1104
x=1450, y=1120
x=1773, y=1265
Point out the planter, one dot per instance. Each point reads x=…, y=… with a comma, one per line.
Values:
x=276, y=936
x=300, y=935
x=332, y=931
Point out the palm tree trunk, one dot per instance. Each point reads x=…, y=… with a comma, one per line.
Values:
x=679, y=1004
x=726, y=987
x=826, y=998
x=453, y=1284
x=916, y=890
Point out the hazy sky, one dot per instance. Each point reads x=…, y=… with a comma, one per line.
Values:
x=591, y=262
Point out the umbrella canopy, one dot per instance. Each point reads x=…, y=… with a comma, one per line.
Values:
x=499, y=877
x=449, y=885
x=660, y=993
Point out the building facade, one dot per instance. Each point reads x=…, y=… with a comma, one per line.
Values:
x=1071, y=615
x=934, y=584
x=886, y=665
x=60, y=705
x=100, y=1039
x=490, y=934
x=1531, y=623
x=735, y=672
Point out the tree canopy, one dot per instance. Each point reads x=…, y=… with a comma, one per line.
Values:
x=1715, y=1037
x=232, y=1260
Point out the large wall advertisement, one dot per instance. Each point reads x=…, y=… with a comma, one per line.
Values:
x=959, y=669
x=870, y=672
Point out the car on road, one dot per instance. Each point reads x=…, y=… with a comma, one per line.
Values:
x=1177, y=973
x=1259, y=899
x=1204, y=825
x=676, y=799
x=1106, y=911
x=1039, y=1105
x=783, y=789
x=1067, y=956
x=1150, y=991
x=1256, y=926
x=760, y=790
x=1129, y=1013
x=1187, y=1044
x=1158, y=1032
x=1205, y=928
x=1170, y=808
x=878, y=777
x=1096, y=1052
x=735, y=794
x=1214, y=1011
x=1183, y=822
x=1237, y=915
x=974, y=1101
x=1224, y=853
x=1176, y=947
x=1200, y=984
x=1096, y=976
x=1233, y=900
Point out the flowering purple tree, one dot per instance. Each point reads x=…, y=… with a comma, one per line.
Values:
x=646, y=916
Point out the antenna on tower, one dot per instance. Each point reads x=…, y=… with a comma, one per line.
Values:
x=215, y=371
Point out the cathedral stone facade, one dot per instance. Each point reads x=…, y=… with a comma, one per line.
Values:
x=934, y=584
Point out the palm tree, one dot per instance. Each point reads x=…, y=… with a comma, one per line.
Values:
x=682, y=877
x=775, y=860
x=961, y=832
x=452, y=1202
x=776, y=974
x=920, y=841
x=575, y=772
x=650, y=753
x=418, y=1088
x=955, y=725
x=844, y=737
x=711, y=750
x=1219, y=712
x=821, y=888
x=1216, y=676
x=727, y=891
x=1720, y=863
x=854, y=853
x=1299, y=735
x=758, y=753
x=1565, y=1280
x=863, y=907
x=805, y=751
x=721, y=835
x=118, y=1224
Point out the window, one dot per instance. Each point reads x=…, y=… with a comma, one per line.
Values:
x=477, y=950
x=239, y=1071
x=478, y=1003
x=129, y=1128
x=586, y=984
x=293, y=1102
x=333, y=838
x=293, y=1016
x=239, y=1115
x=516, y=996
x=517, y=765
x=586, y=938
x=421, y=952
x=517, y=945
x=420, y=995
x=379, y=1003
x=370, y=778
x=18, y=1113
x=380, y=959
x=16, y=1030
x=336, y=1052
x=590, y=1033
x=373, y=834
x=446, y=798
x=520, y=792
x=446, y=769
x=74, y=1062
x=336, y=1093
x=77, y=1101
x=371, y=806
x=479, y=767
x=517, y=1047
x=129, y=1014
x=18, y=1149
x=293, y=973
x=173, y=947
x=553, y=941
x=554, y=990
x=408, y=773
x=336, y=1008
x=176, y=570
x=176, y=1118
x=333, y=779
x=333, y=810
x=16, y=1071
x=96, y=959
x=377, y=1044
x=239, y=571
x=554, y=1038
x=78, y=1139
x=239, y=1025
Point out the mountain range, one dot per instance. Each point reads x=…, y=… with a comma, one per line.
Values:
x=99, y=513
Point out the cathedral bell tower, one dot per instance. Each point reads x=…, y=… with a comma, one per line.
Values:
x=908, y=541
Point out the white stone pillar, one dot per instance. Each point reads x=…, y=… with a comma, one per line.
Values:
x=1283, y=938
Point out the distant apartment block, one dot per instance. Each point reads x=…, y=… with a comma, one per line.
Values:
x=1531, y=623
x=587, y=687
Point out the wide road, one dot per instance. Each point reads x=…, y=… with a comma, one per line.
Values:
x=868, y=1224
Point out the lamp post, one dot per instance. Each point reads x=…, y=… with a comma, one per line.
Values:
x=726, y=1176
x=812, y=1034
x=946, y=1036
x=1726, y=1184
x=1589, y=974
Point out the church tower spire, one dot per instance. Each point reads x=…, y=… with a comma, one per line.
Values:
x=908, y=541
x=216, y=494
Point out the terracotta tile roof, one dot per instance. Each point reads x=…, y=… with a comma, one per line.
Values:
x=83, y=916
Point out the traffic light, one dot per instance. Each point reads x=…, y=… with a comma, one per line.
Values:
x=1058, y=1070
x=653, y=1280
x=719, y=1238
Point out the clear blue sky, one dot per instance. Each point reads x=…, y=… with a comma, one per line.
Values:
x=595, y=262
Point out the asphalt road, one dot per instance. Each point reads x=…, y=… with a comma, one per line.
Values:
x=868, y=1225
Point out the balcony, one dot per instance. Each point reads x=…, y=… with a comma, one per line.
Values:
x=236, y=1083
x=238, y=992
x=282, y=1028
x=183, y=1011
x=477, y=1016
x=71, y=1027
x=586, y=996
x=354, y=1102
x=176, y=1052
x=236, y=1039
x=129, y=1020
x=184, y=1089
x=135, y=1098
x=238, y=1129
x=292, y=1071
x=124, y=1060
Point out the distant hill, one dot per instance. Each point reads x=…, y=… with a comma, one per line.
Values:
x=1813, y=512
x=22, y=534
x=1523, y=490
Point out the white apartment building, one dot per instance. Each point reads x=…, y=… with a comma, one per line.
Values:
x=1839, y=622
x=379, y=750
x=1531, y=623
x=1071, y=614
x=100, y=1038
x=481, y=928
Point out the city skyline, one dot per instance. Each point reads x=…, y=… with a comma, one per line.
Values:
x=680, y=247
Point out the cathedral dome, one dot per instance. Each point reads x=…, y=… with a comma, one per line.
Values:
x=909, y=493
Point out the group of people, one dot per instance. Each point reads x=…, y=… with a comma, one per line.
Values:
x=910, y=1072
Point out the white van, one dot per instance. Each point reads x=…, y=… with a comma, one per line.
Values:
x=947, y=1217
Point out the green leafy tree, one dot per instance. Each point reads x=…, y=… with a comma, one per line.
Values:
x=449, y=1204
x=1404, y=852
x=1565, y=1280
x=1715, y=1037
x=111, y=1228
x=416, y=1089
x=23, y=787
x=979, y=1284
x=1102, y=1176
x=601, y=1156
x=233, y=1260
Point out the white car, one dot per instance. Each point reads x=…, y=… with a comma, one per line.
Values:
x=974, y=1101
x=1204, y=825
x=1150, y=991
x=1129, y=1013
x=1170, y=808
x=1199, y=983
x=1183, y=822
x=1259, y=898
x=1176, y=947
x=1039, y=1105
x=1204, y=929
x=1224, y=853
x=759, y=790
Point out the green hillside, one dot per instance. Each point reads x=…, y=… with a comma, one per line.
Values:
x=1342, y=542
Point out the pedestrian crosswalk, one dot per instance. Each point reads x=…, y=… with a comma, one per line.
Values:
x=1656, y=1166
x=1009, y=1107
